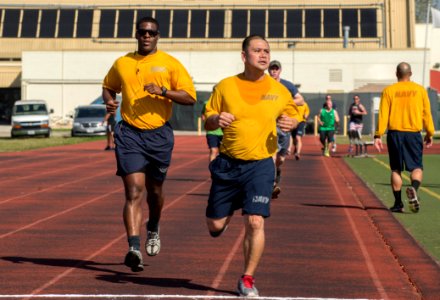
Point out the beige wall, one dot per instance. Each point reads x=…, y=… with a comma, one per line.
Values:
x=398, y=29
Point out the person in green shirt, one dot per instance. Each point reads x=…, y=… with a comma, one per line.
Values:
x=328, y=119
x=213, y=138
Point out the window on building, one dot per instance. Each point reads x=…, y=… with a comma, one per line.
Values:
x=294, y=23
x=350, y=18
x=258, y=22
x=198, y=23
x=84, y=23
x=239, y=23
x=141, y=13
x=313, y=23
x=180, y=23
x=276, y=23
x=11, y=22
x=368, y=23
x=66, y=23
x=125, y=23
x=216, y=23
x=48, y=23
x=29, y=23
x=107, y=23
x=331, y=23
x=163, y=17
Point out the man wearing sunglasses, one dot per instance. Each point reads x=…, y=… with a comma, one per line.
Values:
x=150, y=81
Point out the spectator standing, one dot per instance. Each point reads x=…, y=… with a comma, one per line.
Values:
x=355, y=124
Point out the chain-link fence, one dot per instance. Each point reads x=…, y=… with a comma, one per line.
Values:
x=187, y=117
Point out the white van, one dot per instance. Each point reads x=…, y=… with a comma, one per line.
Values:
x=30, y=118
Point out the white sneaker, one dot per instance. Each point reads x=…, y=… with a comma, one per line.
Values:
x=413, y=200
x=152, y=245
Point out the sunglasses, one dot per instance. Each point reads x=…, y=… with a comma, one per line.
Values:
x=150, y=32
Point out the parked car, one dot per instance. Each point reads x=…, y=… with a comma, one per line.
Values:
x=88, y=120
x=30, y=118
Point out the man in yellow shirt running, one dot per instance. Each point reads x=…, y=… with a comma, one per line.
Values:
x=405, y=110
x=150, y=81
x=249, y=107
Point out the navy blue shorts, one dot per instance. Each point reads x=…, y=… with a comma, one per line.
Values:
x=299, y=130
x=147, y=151
x=283, y=140
x=214, y=140
x=240, y=184
x=405, y=150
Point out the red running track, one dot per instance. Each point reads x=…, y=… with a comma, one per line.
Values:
x=62, y=236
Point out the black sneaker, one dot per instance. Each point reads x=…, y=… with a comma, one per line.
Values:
x=397, y=208
x=133, y=260
x=276, y=191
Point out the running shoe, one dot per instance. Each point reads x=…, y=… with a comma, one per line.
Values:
x=413, y=201
x=326, y=153
x=334, y=148
x=297, y=157
x=246, y=287
x=397, y=208
x=133, y=260
x=276, y=191
x=152, y=245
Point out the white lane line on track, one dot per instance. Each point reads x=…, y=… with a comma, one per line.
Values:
x=113, y=296
x=56, y=186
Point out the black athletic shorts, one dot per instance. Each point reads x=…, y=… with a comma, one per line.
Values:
x=147, y=151
x=405, y=150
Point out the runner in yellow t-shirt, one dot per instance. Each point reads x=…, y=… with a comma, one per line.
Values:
x=404, y=111
x=150, y=82
x=248, y=107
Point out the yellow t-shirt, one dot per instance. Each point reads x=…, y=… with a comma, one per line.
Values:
x=405, y=106
x=130, y=73
x=303, y=111
x=256, y=107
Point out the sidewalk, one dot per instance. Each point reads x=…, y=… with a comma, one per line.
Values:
x=5, y=131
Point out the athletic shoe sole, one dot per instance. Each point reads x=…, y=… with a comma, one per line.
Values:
x=133, y=260
x=246, y=292
x=275, y=192
x=413, y=201
x=152, y=245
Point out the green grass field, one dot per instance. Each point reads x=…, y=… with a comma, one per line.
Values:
x=423, y=226
x=58, y=138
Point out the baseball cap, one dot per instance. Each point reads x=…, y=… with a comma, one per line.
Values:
x=275, y=63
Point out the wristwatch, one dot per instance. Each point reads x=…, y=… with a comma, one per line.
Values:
x=164, y=91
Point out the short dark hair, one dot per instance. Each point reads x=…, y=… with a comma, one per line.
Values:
x=147, y=20
x=248, y=40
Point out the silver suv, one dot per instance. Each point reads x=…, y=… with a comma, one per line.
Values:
x=30, y=118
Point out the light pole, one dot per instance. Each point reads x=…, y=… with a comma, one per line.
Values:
x=292, y=45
